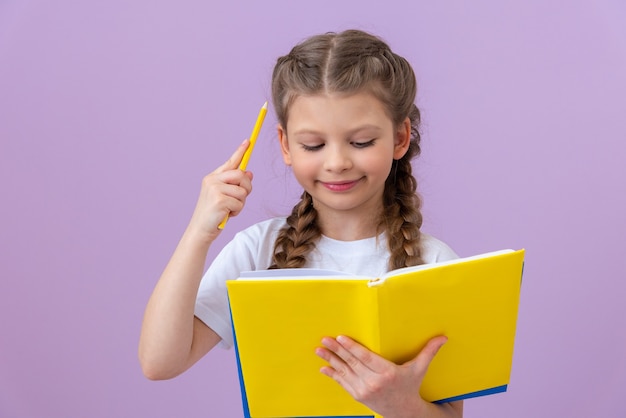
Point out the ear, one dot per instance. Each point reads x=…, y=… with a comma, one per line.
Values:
x=403, y=139
x=284, y=145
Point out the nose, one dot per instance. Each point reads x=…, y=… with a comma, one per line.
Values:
x=337, y=159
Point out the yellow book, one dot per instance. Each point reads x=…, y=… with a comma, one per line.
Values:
x=280, y=316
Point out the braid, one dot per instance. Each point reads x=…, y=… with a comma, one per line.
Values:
x=402, y=218
x=297, y=239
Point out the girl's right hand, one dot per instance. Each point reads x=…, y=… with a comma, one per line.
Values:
x=172, y=338
x=223, y=193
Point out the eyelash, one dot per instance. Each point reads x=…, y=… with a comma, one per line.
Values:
x=364, y=144
x=312, y=148
x=359, y=145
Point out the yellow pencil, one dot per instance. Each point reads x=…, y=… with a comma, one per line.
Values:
x=246, y=156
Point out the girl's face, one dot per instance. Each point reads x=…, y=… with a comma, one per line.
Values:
x=341, y=148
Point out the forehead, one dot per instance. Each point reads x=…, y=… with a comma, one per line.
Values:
x=337, y=111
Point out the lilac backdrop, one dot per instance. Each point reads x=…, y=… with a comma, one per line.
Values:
x=111, y=113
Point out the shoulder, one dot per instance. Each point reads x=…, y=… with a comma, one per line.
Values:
x=261, y=230
x=250, y=249
x=434, y=250
x=255, y=243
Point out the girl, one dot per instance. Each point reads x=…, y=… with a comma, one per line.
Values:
x=348, y=128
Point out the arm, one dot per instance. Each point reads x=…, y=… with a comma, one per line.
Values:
x=172, y=338
x=389, y=389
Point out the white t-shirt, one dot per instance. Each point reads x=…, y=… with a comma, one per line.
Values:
x=252, y=248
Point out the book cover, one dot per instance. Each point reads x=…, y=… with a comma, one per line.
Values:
x=280, y=316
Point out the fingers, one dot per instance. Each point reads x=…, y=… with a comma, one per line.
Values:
x=344, y=350
x=229, y=174
x=231, y=182
x=223, y=193
x=424, y=358
x=371, y=379
x=235, y=199
x=337, y=368
x=347, y=357
x=362, y=373
x=236, y=177
x=354, y=354
x=235, y=159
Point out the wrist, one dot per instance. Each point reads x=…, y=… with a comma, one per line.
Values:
x=198, y=237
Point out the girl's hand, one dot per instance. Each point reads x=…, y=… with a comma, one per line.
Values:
x=389, y=389
x=223, y=193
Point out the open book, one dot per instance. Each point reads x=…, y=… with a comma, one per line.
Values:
x=280, y=316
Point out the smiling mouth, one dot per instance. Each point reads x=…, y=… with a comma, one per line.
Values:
x=340, y=186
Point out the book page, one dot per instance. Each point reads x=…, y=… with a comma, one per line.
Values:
x=405, y=270
x=298, y=273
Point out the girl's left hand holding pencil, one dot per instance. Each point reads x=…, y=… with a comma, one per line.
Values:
x=389, y=389
x=223, y=193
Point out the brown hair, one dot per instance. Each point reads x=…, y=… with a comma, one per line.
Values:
x=349, y=62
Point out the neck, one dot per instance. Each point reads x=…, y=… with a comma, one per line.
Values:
x=348, y=227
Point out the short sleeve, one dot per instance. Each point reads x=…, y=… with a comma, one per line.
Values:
x=435, y=250
x=250, y=249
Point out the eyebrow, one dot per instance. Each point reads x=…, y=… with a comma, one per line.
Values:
x=307, y=131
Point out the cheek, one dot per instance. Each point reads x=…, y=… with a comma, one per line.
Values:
x=377, y=163
x=304, y=168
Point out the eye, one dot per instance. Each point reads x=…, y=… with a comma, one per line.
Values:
x=363, y=144
x=312, y=147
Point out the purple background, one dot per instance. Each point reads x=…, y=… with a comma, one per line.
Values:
x=111, y=112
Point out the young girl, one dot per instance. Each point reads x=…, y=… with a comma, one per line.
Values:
x=348, y=128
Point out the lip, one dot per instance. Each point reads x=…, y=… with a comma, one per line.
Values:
x=340, y=186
